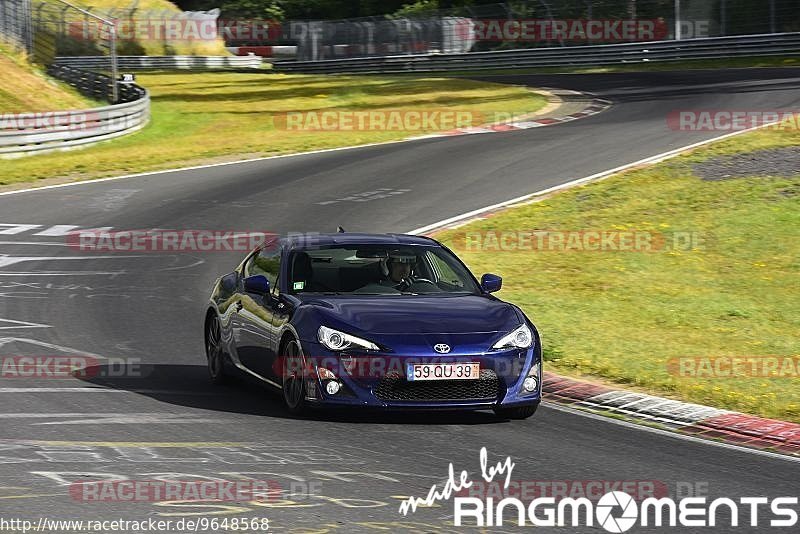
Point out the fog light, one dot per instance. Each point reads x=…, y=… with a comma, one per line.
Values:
x=333, y=387
x=530, y=384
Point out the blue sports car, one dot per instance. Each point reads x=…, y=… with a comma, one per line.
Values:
x=383, y=321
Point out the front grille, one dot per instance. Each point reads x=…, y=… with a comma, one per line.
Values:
x=397, y=388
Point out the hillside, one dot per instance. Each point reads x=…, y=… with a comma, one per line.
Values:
x=155, y=46
x=24, y=88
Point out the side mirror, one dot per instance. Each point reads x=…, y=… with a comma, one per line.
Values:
x=491, y=283
x=228, y=283
x=257, y=284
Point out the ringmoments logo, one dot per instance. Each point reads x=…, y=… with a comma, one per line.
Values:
x=615, y=511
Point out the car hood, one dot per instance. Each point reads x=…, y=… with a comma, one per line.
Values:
x=412, y=314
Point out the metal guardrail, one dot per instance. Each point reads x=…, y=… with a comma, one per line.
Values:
x=780, y=44
x=26, y=133
x=96, y=85
x=164, y=62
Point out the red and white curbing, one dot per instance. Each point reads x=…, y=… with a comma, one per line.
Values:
x=695, y=419
x=596, y=105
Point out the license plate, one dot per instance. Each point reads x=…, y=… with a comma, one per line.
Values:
x=443, y=371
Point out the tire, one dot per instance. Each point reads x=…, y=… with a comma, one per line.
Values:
x=520, y=412
x=294, y=383
x=215, y=355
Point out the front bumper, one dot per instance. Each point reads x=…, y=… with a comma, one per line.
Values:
x=379, y=380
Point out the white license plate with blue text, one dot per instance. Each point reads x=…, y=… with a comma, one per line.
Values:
x=443, y=371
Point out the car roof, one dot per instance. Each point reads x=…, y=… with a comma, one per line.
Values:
x=306, y=240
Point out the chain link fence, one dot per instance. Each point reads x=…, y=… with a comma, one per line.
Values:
x=15, y=23
x=50, y=28
x=539, y=23
x=47, y=29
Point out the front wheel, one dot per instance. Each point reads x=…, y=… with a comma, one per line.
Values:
x=519, y=412
x=294, y=384
x=214, y=352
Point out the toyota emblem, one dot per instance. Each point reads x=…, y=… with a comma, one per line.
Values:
x=441, y=348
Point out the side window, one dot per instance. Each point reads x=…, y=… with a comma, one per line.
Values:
x=444, y=273
x=266, y=262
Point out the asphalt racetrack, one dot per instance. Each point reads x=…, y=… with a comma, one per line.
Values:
x=349, y=472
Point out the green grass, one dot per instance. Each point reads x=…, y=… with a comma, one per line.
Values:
x=620, y=316
x=214, y=116
x=650, y=66
x=24, y=88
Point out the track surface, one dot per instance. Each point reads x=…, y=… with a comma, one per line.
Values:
x=151, y=308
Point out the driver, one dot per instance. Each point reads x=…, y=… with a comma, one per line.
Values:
x=398, y=269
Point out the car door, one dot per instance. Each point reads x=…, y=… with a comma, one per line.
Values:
x=257, y=343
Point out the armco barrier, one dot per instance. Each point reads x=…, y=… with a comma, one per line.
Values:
x=164, y=62
x=95, y=85
x=779, y=44
x=27, y=133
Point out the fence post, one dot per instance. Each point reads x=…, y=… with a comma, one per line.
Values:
x=28, y=27
x=114, y=73
x=677, y=20
x=772, y=27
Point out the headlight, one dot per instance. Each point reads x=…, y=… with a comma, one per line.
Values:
x=521, y=338
x=335, y=340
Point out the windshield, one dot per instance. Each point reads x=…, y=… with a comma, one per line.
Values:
x=379, y=270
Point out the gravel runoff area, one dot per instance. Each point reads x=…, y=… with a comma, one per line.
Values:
x=783, y=162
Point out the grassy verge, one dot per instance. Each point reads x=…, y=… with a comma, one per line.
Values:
x=25, y=88
x=622, y=316
x=652, y=66
x=206, y=117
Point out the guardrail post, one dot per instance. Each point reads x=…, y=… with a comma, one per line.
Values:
x=677, y=20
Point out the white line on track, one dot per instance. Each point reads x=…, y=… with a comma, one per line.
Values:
x=68, y=419
x=200, y=167
x=107, y=390
x=594, y=177
x=41, y=243
x=40, y=415
x=251, y=160
x=16, y=325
